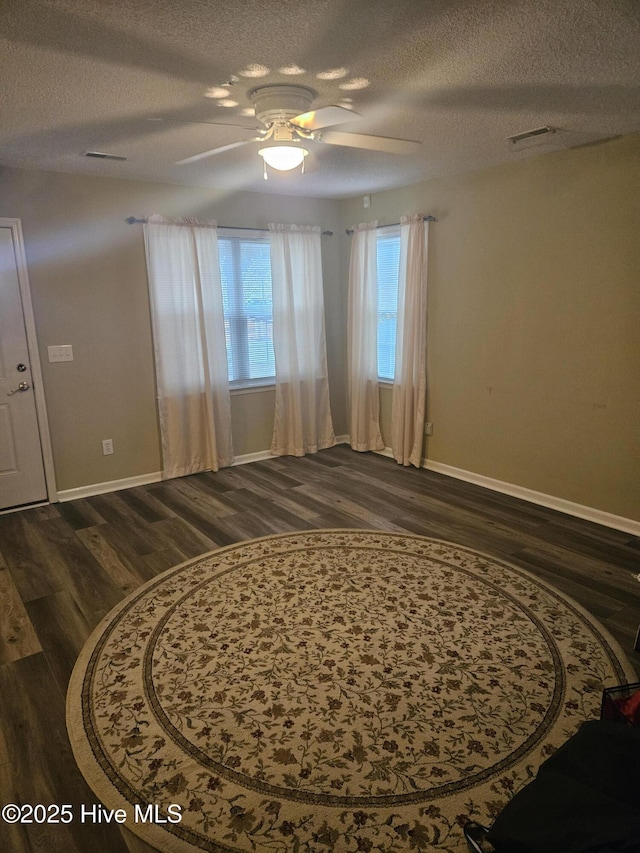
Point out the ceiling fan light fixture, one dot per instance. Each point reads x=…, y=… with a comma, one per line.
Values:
x=283, y=157
x=288, y=123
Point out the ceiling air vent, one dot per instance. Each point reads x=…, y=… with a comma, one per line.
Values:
x=102, y=156
x=530, y=134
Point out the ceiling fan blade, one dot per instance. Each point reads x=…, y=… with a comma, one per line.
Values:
x=213, y=151
x=369, y=143
x=324, y=117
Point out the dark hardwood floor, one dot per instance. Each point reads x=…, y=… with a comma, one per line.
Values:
x=64, y=566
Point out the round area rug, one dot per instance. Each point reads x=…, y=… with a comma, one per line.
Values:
x=336, y=690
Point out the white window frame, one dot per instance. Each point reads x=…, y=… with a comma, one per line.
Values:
x=382, y=233
x=240, y=347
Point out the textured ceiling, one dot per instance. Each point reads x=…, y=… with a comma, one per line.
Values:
x=458, y=75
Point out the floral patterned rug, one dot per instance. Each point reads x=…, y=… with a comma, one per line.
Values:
x=332, y=691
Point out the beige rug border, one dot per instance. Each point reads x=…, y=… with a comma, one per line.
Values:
x=155, y=835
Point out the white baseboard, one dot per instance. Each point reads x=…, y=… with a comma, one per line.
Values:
x=386, y=452
x=598, y=516
x=259, y=456
x=111, y=486
x=141, y=480
x=156, y=477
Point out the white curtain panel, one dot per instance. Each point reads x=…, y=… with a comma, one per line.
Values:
x=410, y=382
x=303, y=413
x=189, y=345
x=362, y=340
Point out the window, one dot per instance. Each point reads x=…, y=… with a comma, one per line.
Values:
x=245, y=270
x=388, y=258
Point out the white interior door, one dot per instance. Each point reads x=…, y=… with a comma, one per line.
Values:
x=22, y=473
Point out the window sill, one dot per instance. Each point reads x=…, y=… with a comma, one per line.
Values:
x=254, y=388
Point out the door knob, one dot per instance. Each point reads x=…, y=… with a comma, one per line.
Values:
x=23, y=386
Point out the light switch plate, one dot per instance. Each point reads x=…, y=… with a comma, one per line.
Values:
x=61, y=353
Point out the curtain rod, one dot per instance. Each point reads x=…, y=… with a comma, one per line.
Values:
x=395, y=224
x=132, y=220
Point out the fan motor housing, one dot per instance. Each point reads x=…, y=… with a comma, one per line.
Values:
x=277, y=104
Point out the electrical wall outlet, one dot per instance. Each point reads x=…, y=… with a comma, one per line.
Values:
x=107, y=447
x=428, y=428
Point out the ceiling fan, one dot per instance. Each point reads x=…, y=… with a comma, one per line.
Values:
x=287, y=122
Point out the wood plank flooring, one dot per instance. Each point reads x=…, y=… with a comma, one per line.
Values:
x=64, y=566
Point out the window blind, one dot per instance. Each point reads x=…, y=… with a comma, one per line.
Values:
x=388, y=265
x=245, y=270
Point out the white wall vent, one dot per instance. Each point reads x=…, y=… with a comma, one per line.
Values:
x=530, y=134
x=102, y=156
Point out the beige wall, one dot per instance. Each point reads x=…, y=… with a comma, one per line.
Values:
x=534, y=317
x=89, y=289
x=534, y=321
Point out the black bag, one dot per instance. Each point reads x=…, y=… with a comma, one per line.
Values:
x=585, y=798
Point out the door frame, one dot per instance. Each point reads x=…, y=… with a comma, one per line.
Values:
x=34, y=358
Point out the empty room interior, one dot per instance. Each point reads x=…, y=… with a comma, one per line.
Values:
x=379, y=408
